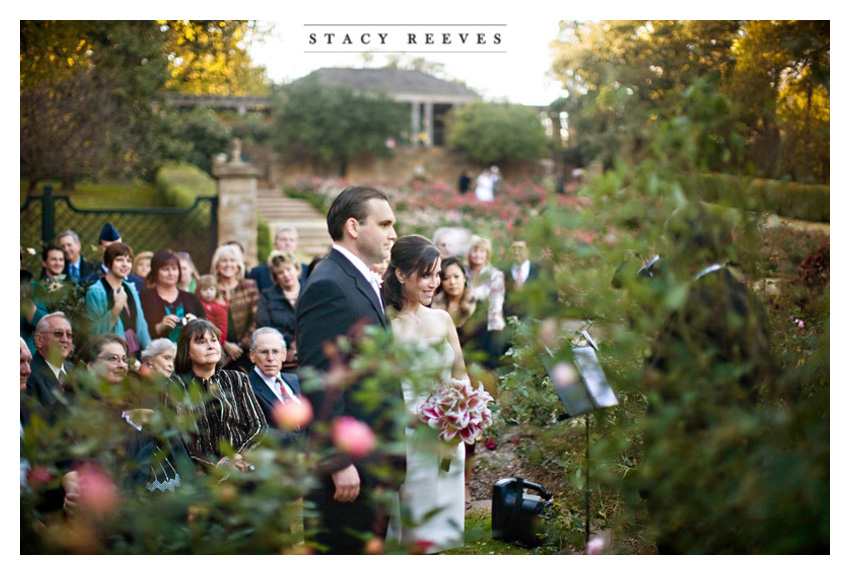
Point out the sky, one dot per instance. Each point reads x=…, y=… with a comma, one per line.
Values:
x=510, y=64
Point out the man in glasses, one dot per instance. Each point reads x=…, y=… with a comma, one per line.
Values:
x=50, y=366
x=271, y=386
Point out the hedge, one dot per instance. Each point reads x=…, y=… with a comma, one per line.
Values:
x=180, y=184
x=787, y=199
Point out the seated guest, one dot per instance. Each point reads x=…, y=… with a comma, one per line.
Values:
x=188, y=272
x=213, y=302
x=142, y=266
x=230, y=412
x=167, y=308
x=52, y=262
x=113, y=304
x=286, y=240
x=109, y=235
x=140, y=459
x=277, y=303
x=77, y=269
x=159, y=356
x=54, y=342
x=271, y=387
x=242, y=297
x=53, y=287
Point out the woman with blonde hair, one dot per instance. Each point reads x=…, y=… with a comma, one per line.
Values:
x=486, y=281
x=242, y=297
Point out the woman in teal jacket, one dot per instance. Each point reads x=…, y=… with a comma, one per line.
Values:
x=113, y=304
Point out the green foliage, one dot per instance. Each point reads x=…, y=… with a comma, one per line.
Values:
x=218, y=512
x=180, y=184
x=627, y=78
x=697, y=469
x=264, y=239
x=496, y=133
x=86, y=104
x=251, y=128
x=798, y=201
x=211, y=57
x=204, y=134
x=333, y=125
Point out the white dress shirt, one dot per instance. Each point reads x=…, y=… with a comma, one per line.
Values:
x=279, y=387
x=363, y=269
x=520, y=272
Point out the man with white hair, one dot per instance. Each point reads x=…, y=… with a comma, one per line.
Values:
x=77, y=269
x=271, y=386
x=54, y=342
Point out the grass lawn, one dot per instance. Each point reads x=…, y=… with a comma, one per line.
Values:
x=106, y=195
x=479, y=539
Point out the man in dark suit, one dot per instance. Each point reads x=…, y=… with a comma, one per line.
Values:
x=271, y=386
x=521, y=272
x=54, y=342
x=340, y=297
x=76, y=267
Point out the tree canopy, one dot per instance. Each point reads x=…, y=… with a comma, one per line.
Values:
x=90, y=91
x=497, y=133
x=331, y=125
x=625, y=77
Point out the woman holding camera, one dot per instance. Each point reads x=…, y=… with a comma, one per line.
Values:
x=168, y=308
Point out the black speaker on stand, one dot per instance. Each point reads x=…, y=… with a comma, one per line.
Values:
x=581, y=386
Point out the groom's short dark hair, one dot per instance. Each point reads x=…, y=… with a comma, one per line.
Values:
x=351, y=203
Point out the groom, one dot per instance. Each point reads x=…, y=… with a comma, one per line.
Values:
x=340, y=297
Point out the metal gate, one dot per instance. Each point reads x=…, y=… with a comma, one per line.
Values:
x=193, y=229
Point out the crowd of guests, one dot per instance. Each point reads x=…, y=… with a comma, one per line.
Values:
x=231, y=331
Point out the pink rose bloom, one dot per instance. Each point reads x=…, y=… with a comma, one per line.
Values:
x=352, y=436
x=293, y=415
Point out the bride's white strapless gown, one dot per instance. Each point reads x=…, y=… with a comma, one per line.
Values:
x=432, y=500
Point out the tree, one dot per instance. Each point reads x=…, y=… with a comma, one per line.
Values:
x=90, y=91
x=333, y=125
x=781, y=81
x=497, y=133
x=625, y=78
x=211, y=57
x=88, y=94
x=205, y=134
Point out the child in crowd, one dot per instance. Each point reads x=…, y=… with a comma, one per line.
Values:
x=214, y=305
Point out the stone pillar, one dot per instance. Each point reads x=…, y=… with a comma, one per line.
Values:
x=237, y=200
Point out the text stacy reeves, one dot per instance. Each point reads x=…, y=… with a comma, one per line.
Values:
x=457, y=39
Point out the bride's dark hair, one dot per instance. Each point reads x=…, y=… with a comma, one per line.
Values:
x=412, y=255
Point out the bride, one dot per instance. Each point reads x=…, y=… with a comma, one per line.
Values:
x=432, y=500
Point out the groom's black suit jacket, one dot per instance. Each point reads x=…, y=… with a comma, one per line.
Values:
x=337, y=300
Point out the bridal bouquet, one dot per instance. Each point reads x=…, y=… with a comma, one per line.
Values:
x=458, y=412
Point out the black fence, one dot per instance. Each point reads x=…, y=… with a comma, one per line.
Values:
x=193, y=230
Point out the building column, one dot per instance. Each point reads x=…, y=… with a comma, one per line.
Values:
x=237, y=201
x=429, y=124
x=415, y=123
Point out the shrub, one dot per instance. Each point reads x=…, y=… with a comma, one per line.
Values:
x=798, y=201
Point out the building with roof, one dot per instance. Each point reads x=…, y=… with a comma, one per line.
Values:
x=430, y=98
